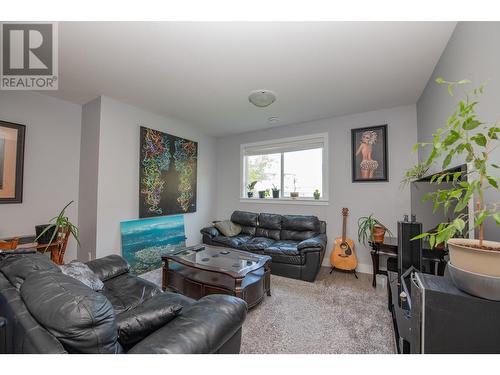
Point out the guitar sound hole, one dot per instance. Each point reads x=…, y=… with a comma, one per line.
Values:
x=348, y=251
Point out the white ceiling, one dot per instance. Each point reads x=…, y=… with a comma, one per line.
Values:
x=202, y=73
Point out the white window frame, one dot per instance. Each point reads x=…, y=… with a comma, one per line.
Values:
x=297, y=141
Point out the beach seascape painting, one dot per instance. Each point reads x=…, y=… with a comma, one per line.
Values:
x=145, y=241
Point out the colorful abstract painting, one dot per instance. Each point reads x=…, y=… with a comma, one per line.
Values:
x=145, y=241
x=167, y=174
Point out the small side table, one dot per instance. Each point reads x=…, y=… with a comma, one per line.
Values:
x=388, y=248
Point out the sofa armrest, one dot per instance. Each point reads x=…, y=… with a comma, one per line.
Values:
x=317, y=243
x=201, y=328
x=210, y=231
x=108, y=267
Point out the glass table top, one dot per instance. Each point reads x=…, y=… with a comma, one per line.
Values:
x=219, y=258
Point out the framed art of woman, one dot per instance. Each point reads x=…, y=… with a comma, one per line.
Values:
x=11, y=162
x=369, y=154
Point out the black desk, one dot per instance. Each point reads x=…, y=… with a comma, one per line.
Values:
x=389, y=248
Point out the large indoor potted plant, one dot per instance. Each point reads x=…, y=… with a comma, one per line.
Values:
x=371, y=229
x=61, y=221
x=465, y=137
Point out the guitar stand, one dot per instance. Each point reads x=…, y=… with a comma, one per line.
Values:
x=353, y=271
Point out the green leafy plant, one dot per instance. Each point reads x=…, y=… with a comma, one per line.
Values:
x=414, y=173
x=275, y=188
x=316, y=194
x=251, y=185
x=60, y=222
x=365, y=228
x=463, y=136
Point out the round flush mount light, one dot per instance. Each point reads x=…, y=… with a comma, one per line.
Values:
x=262, y=98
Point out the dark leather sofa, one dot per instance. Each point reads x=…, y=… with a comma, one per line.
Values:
x=49, y=312
x=296, y=243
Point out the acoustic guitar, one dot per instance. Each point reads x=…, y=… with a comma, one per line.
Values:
x=343, y=256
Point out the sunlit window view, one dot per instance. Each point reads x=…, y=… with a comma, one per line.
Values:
x=302, y=172
x=289, y=172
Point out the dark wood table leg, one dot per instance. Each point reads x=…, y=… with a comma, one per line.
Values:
x=164, y=281
x=375, y=264
x=267, y=278
x=238, y=291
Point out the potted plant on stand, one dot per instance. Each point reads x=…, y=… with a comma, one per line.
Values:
x=60, y=228
x=250, y=188
x=371, y=229
x=474, y=263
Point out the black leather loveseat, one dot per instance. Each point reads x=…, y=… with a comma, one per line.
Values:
x=49, y=312
x=296, y=243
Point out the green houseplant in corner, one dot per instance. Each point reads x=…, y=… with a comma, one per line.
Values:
x=371, y=229
x=465, y=137
x=61, y=221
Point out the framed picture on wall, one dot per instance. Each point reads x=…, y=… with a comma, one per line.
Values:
x=11, y=162
x=369, y=154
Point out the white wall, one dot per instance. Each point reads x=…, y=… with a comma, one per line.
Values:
x=118, y=174
x=384, y=199
x=472, y=53
x=89, y=167
x=51, y=161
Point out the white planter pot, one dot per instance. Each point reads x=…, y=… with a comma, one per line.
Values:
x=483, y=262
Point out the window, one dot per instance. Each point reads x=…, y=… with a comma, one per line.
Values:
x=292, y=165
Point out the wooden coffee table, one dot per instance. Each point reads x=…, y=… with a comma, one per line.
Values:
x=218, y=270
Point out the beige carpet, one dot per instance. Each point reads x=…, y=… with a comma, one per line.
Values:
x=335, y=314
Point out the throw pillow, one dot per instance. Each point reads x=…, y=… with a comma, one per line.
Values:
x=82, y=273
x=228, y=228
x=138, y=323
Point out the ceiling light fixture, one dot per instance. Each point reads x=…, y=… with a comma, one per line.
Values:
x=262, y=98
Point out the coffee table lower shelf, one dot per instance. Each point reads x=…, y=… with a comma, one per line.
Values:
x=197, y=283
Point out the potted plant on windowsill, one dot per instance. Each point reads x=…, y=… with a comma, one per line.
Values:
x=250, y=188
x=371, y=229
x=276, y=191
x=317, y=194
x=464, y=136
x=294, y=194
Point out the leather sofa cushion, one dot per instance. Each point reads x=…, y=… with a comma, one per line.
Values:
x=256, y=243
x=300, y=223
x=139, y=322
x=293, y=235
x=285, y=251
x=235, y=241
x=127, y=291
x=108, y=267
x=270, y=221
x=16, y=268
x=269, y=233
x=81, y=319
x=82, y=273
x=202, y=328
x=244, y=218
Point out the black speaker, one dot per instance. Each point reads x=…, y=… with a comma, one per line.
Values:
x=409, y=252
